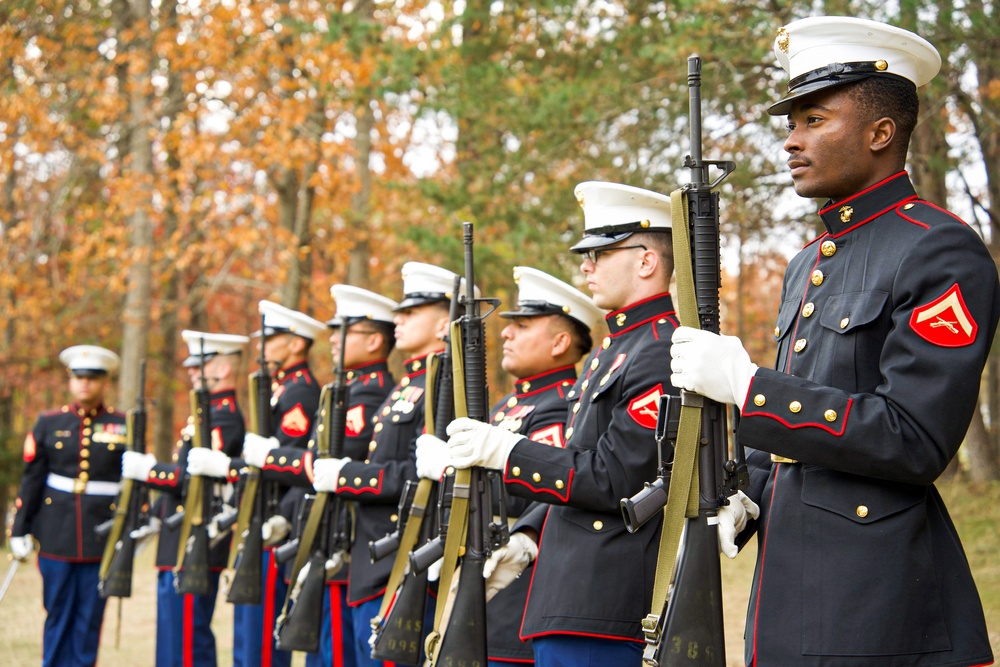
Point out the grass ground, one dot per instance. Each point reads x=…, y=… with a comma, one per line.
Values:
x=130, y=642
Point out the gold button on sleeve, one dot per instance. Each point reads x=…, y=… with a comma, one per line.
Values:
x=516, y=471
x=830, y=415
x=795, y=406
x=862, y=511
x=536, y=477
x=759, y=400
x=560, y=484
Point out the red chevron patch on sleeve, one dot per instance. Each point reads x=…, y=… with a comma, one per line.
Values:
x=355, y=421
x=30, y=448
x=295, y=422
x=946, y=321
x=550, y=435
x=646, y=408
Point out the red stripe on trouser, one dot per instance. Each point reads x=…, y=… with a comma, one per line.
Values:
x=336, y=626
x=268, y=638
x=188, y=630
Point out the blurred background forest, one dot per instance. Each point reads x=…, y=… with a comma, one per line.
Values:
x=166, y=164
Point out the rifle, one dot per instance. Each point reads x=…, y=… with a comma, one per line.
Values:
x=115, y=575
x=191, y=574
x=471, y=514
x=398, y=630
x=298, y=626
x=246, y=553
x=685, y=627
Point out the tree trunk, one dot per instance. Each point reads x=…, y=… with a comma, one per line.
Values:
x=982, y=462
x=136, y=313
x=358, y=272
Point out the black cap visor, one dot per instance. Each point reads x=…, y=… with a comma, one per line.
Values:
x=421, y=299
x=590, y=241
x=88, y=372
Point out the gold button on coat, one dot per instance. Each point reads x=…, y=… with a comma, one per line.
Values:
x=537, y=477
x=516, y=471
x=844, y=322
x=862, y=511
x=829, y=248
x=830, y=415
x=817, y=277
x=795, y=406
x=598, y=524
x=559, y=484
x=759, y=400
x=800, y=344
x=808, y=309
x=512, y=401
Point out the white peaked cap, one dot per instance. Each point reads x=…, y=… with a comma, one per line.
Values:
x=354, y=303
x=89, y=358
x=612, y=212
x=824, y=51
x=538, y=293
x=278, y=319
x=426, y=283
x=210, y=344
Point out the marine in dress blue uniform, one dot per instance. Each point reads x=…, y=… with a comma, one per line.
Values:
x=287, y=337
x=592, y=582
x=885, y=323
x=72, y=468
x=548, y=333
x=369, y=341
x=376, y=482
x=184, y=636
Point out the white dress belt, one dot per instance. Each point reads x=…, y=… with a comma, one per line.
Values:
x=77, y=485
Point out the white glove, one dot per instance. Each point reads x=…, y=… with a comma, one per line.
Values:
x=432, y=457
x=474, y=443
x=21, y=547
x=334, y=563
x=207, y=462
x=717, y=367
x=275, y=530
x=326, y=474
x=136, y=466
x=733, y=519
x=508, y=562
x=434, y=571
x=142, y=534
x=255, y=449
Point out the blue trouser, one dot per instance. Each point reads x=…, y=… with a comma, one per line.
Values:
x=184, y=635
x=361, y=619
x=336, y=640
x=578, y=651
x=253, y=624
x=74, y=612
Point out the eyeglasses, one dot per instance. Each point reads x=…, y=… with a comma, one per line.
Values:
x=594, y=254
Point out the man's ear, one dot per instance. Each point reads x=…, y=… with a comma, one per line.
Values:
x=375, y=343
x=561, y=342
x=649, y=262
x=883, y=133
